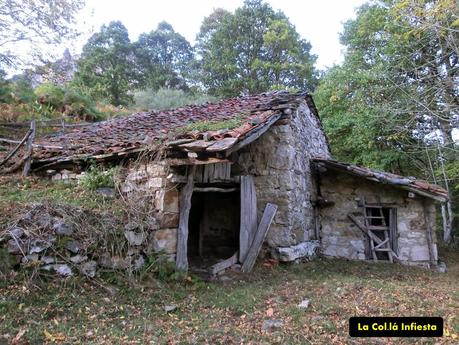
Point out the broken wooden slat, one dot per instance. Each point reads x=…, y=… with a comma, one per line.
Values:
x=221, y=145
x=248, y=225
x=254, y=134
x=263, y=227
x=179, y=142
x=12, y=153
x=185, y=207
x=369, y=234
x=222, y=265
x=30, y=140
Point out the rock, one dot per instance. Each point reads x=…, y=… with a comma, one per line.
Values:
x=114, y=262
x=138, y=262
x=131, y=226
x=43, y=220
x=441, y=267
x=134, y=238
x=30, y=257
x=16, y=246
x=169, y=308
x=106, y=192
x=167, y=201
x=89, y=268
x=78, y=259
x=16, y=232
x=61, y=269
x=271, y=324
x=62, y=228
x=73, y=247
x=164, y=240
x=302, y=250
x=169, y=220
x=304, y=304
x=37, y=246
x=152, y=223
x=47, y=260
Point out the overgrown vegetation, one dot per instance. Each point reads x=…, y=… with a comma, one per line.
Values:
x=203, y=126
x=233, y=312
x=96, y=177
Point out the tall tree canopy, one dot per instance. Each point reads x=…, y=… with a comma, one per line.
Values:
x=105, y=69
x=394, y=101
x=252, y=50
x=163, y=58
x=38, y=24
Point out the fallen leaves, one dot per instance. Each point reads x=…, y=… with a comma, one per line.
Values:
x=53, y=337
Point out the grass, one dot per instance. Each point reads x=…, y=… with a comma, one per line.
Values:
x=203, y=126
x=77, y=312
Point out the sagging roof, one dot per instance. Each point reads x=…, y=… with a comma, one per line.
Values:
x=411, y=184
x=182, y=128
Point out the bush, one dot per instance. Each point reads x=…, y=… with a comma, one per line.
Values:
x=50, y=95
x=168, y=98
x=97, y=177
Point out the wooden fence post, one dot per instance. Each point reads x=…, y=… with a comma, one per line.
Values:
x=28, y=156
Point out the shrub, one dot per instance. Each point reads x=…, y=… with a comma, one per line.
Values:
x=50, y=95
x=97, y=177
x=168, y=98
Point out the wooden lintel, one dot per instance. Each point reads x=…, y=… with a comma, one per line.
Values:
x=194, y=161
x=214, y=189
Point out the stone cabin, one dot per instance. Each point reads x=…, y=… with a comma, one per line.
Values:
x=229, y=176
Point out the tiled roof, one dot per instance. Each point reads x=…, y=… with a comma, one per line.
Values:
x=137, y=131
x=412, y=184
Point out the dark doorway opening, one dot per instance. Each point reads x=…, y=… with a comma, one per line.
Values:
x=213, y=227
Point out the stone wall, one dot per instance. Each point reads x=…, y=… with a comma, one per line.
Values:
x=149, y=183
x=340, y=237
x=279, y=163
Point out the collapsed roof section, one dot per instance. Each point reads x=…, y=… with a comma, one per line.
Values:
x=207, y=129
x=410, y=184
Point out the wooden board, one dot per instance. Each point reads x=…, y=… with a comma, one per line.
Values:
x=262, y=230
x=182, y=236
x=221, y=145
x=248, y=225
x=28, y=162
x=220, y=266
x=196, y=146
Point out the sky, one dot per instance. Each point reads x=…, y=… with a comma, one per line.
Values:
x=318, y=21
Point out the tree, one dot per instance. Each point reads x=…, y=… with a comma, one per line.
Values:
x=251, y=51
x=37, y=23
x=105, y=69
x=394, y=101
x=163, y=58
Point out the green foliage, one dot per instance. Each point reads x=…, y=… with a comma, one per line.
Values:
x=105, y=69
x=97, y=177
x=392, y=89
x=163, y=58
x=50, y=95
x=252, y=50
x=167, y=98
